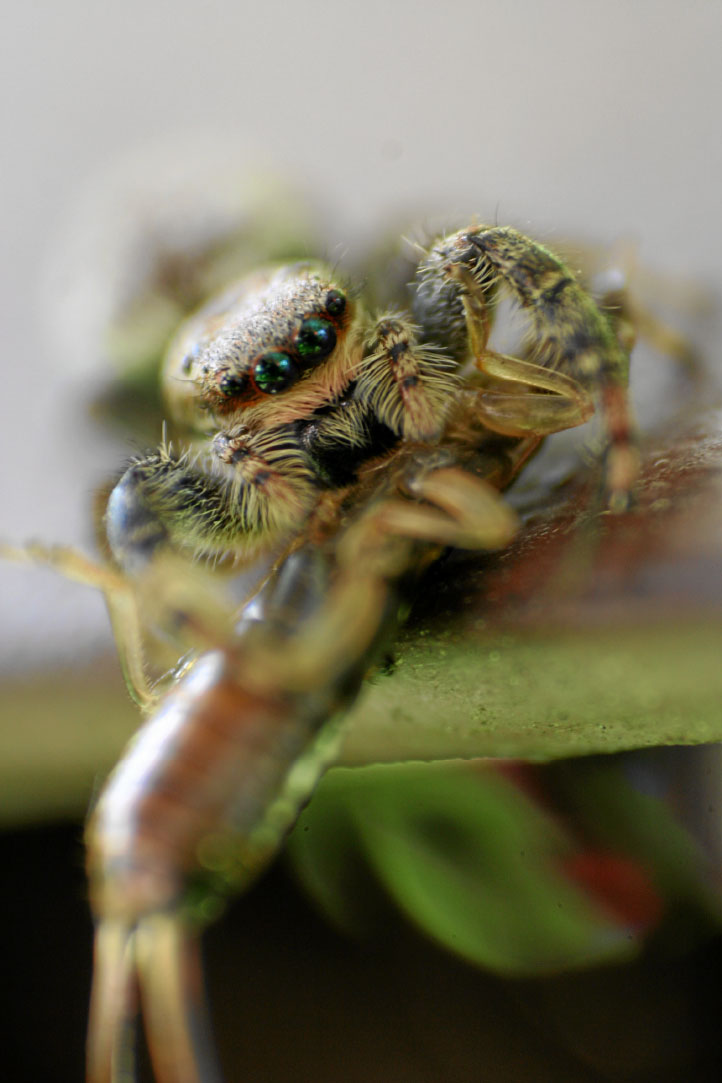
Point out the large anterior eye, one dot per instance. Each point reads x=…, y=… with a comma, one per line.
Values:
x=316, y=338
x=274, y=372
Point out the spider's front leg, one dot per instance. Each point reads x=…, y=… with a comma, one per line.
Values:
x=574, y=358
x=250, y=490
x=246, y=495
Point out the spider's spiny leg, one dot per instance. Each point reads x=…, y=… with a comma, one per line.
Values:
x=253, y=488
x=569, y=335
x=409, y=386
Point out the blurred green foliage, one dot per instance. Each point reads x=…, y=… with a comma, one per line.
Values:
x=486, y=864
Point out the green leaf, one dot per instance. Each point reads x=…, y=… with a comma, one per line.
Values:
x=467, y=856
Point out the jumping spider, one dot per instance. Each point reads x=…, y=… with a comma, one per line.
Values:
x=295, y=392
x=347, y=448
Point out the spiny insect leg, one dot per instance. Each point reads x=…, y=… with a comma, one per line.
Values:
x=120, y=599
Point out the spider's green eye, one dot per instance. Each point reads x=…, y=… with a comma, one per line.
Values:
x=231, y=385
x=316, y=338
x=335, y=302
x=274, y=372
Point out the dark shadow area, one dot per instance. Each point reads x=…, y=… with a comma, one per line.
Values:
x=293, y=1000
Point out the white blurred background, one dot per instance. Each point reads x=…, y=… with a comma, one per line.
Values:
x=564, y=117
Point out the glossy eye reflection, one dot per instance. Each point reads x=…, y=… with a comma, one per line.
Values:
x=274, y=372
x=335, y=302
x=316, y=338
x=232, y=385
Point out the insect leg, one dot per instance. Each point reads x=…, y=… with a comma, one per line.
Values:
x=120, y=599
x=159, y=957
x=459, y=510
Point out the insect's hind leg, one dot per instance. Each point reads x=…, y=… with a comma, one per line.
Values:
x=170, y=973
x=113, y=1005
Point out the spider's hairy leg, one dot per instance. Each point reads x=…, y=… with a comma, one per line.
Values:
x=250, y=491
x=620, y=285
x=573, y=336
x=519, y=397
x=409, y=386
x=575, y=355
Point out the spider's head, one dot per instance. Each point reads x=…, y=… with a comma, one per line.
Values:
x=277, y=345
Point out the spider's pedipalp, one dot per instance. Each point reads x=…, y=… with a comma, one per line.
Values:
x=407, y=385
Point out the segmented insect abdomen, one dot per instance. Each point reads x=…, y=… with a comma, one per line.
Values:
x=186, y=798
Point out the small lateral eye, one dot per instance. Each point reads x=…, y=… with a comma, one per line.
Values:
x=316, y=338
x=232, y=385
x=274, y=372
x=335, y=302
x=192, y=356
